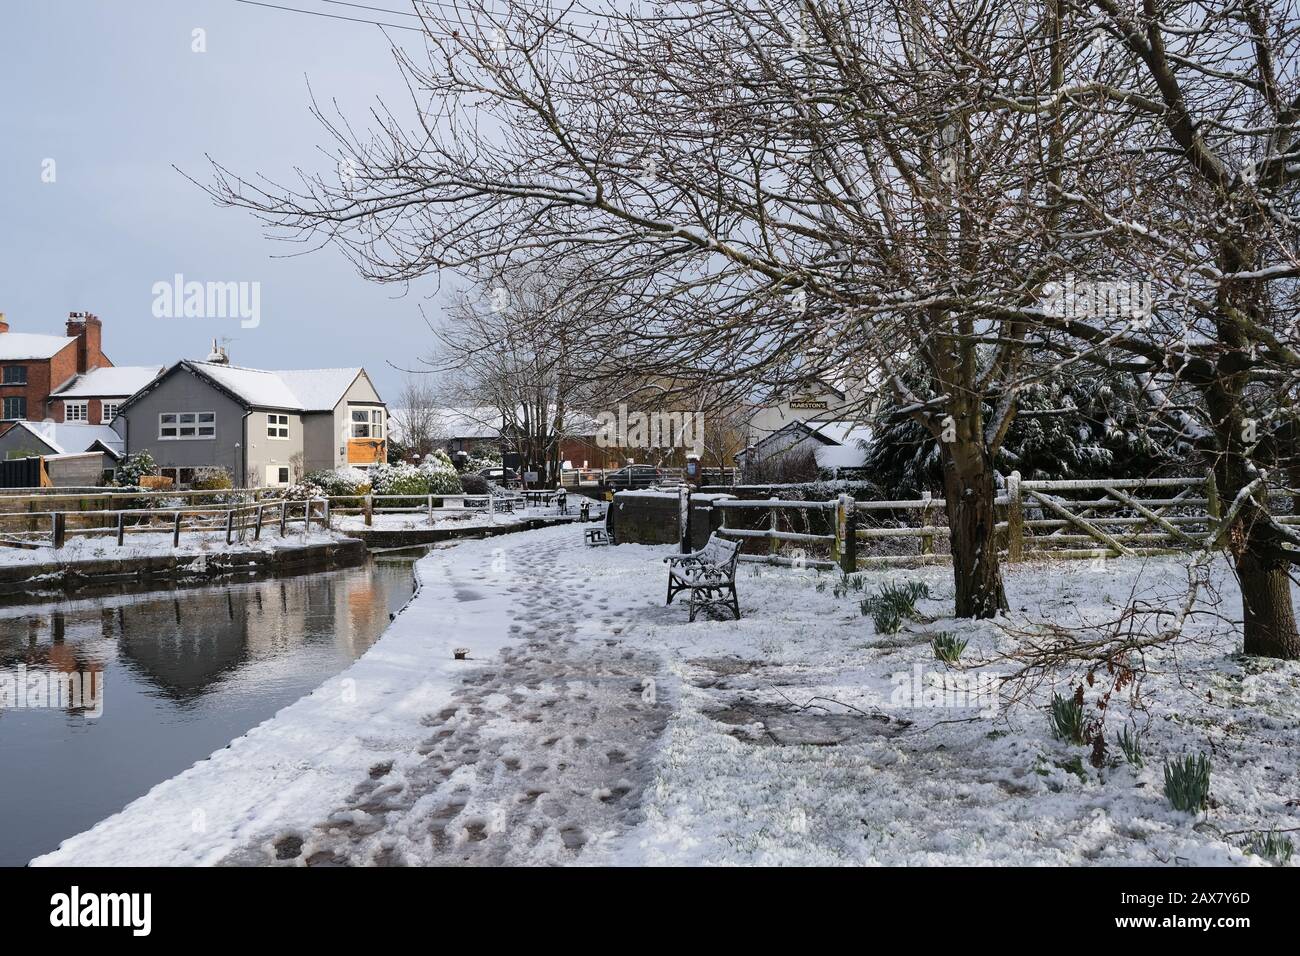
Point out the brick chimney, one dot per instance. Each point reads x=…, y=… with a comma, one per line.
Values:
x=4, y=326
x=88, y=331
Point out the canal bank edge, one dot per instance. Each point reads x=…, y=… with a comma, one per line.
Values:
x=384, y=539
x=330, y=554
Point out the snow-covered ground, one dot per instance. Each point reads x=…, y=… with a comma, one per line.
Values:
x=83, y=548
x=592, y=724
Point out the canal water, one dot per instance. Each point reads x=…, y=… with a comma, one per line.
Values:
x=112, y=694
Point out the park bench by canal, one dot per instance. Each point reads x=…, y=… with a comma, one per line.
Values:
x=709, y=574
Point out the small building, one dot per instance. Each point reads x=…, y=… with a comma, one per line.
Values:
x=264, y=428
x=74, y=453
x=818, y=401
x=835, y=445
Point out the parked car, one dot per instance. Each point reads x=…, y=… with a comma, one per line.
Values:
x=634, y=476
x=505, y=477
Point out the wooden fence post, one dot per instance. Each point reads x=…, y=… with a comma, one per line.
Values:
x=849, y=534
x=60, y=529
x=430, y=509
x=1212, y=495
x=684, y=518
x=370, y=510
x=176, y=529
x=230, y=524
x=1015, y=518
x=927, y=540
x=329, y=524
x=121, y=527
x=284, y=516
x=774, y=525
x=257, y=524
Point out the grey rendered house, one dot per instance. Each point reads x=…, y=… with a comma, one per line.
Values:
x=266, y=428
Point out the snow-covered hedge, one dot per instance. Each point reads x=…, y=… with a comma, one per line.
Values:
x=339, y=482
x=436, y=475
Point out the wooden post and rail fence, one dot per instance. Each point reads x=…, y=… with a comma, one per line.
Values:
x=53, y=528
x=1072, y=519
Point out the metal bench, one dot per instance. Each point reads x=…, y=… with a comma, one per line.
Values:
x=709, y=574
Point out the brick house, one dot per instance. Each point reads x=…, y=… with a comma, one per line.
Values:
x=32, y=366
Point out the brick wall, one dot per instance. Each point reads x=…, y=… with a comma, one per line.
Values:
x=42, y=375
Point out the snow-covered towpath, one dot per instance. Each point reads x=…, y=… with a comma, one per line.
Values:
x=592, y=724
x=540, y=756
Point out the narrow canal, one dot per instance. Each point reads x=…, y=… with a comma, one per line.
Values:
x=102, y=698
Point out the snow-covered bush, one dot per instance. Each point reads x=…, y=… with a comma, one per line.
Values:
x=211, y=479
x=340, y=482
x=297, y=492
x=400, y=479
x=440, y=474
x=134, y=467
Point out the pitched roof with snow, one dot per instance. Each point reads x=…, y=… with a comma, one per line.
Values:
x=17, y=346
x=842, y=432
x=295, y=390
x=319, y=389
x=110, y=382
x=252, y=386
x=72, y=437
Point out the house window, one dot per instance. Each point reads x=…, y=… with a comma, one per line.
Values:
x=108, y=411
x=181, y=477
x=187, y=426
x=15, y=408
x=76, y=411
x=277, y=475
x=367, y=423
x=277, y=426
x=15, y=375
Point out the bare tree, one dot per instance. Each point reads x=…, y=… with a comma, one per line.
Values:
x=1198, y=196
x=755, y=192
x=416, y=417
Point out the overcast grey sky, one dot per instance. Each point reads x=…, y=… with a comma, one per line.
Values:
x=113, y=93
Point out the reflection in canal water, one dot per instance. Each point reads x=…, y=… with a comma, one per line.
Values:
x=178, y=674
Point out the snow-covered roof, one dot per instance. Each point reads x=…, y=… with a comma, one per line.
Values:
x=840, y=456
x=303, y=390
x=842, y=432
x=16, y=346
x=253, y=386
x=846, y=450
x=72, y=437
x=111, y=382
x=319, y=389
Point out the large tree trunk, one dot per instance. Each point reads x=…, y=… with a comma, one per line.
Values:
x=1266, y=604
x=969, y=493
x=1262, y=567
